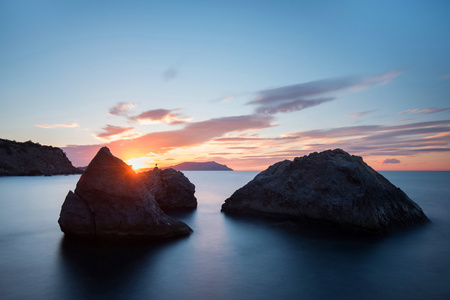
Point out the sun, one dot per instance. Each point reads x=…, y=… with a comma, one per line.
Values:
x=139, y=163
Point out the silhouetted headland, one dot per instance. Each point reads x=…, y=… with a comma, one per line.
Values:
x=32, y=159
x=111, y=200
x=331, y=187
x=201, y=166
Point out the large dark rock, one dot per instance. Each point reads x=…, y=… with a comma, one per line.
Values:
x=31, y=159
x=328, y=187
x=171, y=189
x=111, y=200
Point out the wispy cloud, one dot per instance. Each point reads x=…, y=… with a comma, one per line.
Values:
x=407, y=139
x=304, y=95
x=361, y=114
x=121, y=108
x=227, y=99
x=160, y=116
x=291, y=106
x=70, y=125
x=424, y=111
x=170, y=73
x=111, y=131
x=391, y=161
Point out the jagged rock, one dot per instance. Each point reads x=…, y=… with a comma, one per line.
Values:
x=111, y=200
x=328, y=187
x=171, y=189
x=31, y=159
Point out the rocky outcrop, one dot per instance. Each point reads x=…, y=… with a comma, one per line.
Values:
x=201, y=166
x=328, y=187
x=111, y=200
x=171, y=189
x=29, y=159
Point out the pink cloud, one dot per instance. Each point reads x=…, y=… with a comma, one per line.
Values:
x=160, y=115
x=121, y=108
x=424, y=111
x=111, y=130
x=361, y=114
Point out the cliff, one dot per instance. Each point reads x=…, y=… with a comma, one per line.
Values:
x=330, y=187
x=29, y=159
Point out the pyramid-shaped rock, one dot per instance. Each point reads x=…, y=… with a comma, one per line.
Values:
x=111, y=200
x=329, y=187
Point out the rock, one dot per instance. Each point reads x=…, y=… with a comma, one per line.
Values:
x=171, y=189
x=110, y=200
x=201, y=166
x=31, y=159
x=328, y=187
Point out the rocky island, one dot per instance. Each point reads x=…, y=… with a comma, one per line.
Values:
x=331, y=187
x=111, y=200
x=171, y=189
x=31, y=159
x=201, y=166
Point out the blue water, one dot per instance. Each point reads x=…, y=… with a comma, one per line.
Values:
x=225, y=257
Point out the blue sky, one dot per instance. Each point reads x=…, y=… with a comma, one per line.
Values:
x=246, y=83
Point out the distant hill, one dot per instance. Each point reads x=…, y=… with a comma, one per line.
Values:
x=28, y=159
x=201, y=166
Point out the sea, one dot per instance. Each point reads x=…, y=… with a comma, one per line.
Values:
x=225, y=257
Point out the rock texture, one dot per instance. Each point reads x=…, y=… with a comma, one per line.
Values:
x=171, y=189
x=201, y=166
x=329, y=187
x=28, y=159
x=111, y=200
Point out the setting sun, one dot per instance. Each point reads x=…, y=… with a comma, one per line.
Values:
x=140, y=163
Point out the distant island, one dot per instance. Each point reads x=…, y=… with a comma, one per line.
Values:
x=33, y=159
x=201, y=166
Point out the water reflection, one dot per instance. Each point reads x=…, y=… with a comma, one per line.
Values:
x=107, y=269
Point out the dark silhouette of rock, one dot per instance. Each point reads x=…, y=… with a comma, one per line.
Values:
x=111, y=200
x=171, y=189
x=201, y=166
x=328, y=187
x=31, y=159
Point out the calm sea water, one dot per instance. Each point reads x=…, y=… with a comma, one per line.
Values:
x=225, y=257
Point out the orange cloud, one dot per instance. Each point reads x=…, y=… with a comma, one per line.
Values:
x=161, y=142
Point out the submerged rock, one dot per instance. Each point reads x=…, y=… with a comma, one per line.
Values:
x=111, y=200
x=328, y=187
x=171, y=189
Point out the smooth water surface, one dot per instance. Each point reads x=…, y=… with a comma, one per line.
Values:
x=225, y=257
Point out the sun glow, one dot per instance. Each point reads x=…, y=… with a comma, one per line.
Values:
x=140, y=163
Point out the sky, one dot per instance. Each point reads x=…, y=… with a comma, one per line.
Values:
x=242, y=83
